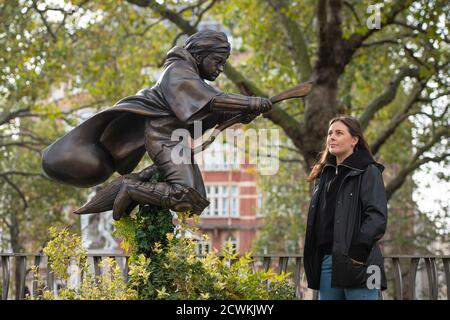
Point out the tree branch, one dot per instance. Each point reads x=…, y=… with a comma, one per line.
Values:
x=323, y=49
x=8, y=116
x=168, y=14
x=417, y=29
x=353, y=11
x=394, y=40
x=398, y=118
x=416, y=162
x=192, y=7
x=386, y=97
x=329, y=33
x=356, y=40
x=21, y=173
x=200, y=15
x=410, y=53
x=23, y=144
x=16, y=188
x=296, y=41
x=47, y=26
x=380, y=42
x=5, y=221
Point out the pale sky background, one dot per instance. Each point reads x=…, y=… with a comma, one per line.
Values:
x=432, y=193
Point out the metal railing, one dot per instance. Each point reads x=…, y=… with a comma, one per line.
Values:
x=401, y=271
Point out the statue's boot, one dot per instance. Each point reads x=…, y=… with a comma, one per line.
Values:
x=104, y=198
x=175, y=197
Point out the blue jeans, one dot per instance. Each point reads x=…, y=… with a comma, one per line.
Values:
x=328, y=293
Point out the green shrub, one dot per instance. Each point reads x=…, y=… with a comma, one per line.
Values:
x=177, y=272
x=65, y=251
x=163, y=264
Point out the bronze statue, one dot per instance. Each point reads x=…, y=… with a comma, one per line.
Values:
x=116, y=139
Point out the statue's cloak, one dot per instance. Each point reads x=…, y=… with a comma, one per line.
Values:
x=113, y=140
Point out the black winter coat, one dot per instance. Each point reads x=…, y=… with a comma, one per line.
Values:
x=360, y=220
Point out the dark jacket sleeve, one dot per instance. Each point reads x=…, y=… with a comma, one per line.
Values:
x=374, y=213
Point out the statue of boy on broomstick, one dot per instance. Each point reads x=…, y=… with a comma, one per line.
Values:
x=116, y=139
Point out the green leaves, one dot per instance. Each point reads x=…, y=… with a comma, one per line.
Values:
x=66, y=252
x=176, y=271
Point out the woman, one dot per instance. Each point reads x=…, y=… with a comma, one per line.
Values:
x=347, y=216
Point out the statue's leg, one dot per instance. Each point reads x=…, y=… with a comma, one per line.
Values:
x=162, y=194
x=182, y=188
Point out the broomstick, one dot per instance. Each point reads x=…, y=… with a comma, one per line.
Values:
x=301, y=90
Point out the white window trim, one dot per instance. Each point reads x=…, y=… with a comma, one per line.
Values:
x=220, y=195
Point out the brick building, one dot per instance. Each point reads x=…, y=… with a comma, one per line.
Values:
x=234, y=212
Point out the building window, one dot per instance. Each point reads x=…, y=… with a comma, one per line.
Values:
x=203, y=247
x=235, y=201
x=224, y=201
x=220, y=156
x=233, y=241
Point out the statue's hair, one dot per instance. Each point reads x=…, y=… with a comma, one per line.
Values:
x=207, y=41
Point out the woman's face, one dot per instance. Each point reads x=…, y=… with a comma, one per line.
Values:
x=340, y=142
x=212, y=65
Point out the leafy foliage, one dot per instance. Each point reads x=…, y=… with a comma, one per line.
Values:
x=177, y=272
x=65, y=252
x=170, y=271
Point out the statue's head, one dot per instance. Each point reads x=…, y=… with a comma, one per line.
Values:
x=211, y=50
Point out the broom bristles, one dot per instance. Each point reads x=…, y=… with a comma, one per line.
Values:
x=103, y=199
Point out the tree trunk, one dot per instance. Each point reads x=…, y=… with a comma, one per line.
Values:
x=321, y=106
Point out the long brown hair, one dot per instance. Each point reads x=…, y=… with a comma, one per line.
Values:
x=355, y=130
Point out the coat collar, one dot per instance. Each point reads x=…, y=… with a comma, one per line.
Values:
x=358, y=161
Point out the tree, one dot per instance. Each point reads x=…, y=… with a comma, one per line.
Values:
x=29, y=67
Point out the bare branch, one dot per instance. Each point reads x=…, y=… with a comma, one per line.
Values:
x=410, y=53
x=8, y=116
x=16, y=188
x=432, y=117
x=168, y=14
x=201, y=13
x=381, y=42
x=352, y=9
x=147, y=29
x=398, y=118
x=22, y=173
x=290, y=148
x=356, y=40
x=44, y=21
x=410, y=27
x=417, y=161
x=94, y=104
x=296, y=41
x=394, y=40
x=24, y=132
x=5, y=221
x=192, y=7
x=23, y=144
x=386, y=97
